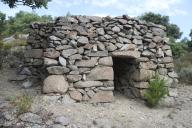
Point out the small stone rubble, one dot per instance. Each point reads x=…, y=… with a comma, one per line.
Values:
x=88, y=57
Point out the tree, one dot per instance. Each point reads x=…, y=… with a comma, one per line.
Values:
x=20, y=23
x=172, y=29
x=31, y=3
x=190, y=34
x=2, y=23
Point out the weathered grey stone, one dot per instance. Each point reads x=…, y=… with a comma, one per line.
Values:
x=84, y=70
x=122, y=21
x=106, y=88
x=158, y=32
x=54, y=38
x=137, y=42
x=167, y=60
x=88, y=46
x=108, y=83
x=111, y=47
x=87, y=84
x=157, y=39
x=80, y=29
x=100, y=31
x=147, y=53
x=162, y=71
x=49, y=62
x=160, y=53
x=75, y=57
x=34, y=53
x=27, y=84
x=141, y=85
x=101, y=46
x=169, y=65
x=74, y=73
x=57, y=70
x=87, y=63
x=116, y=29
x=128, y=47
x=82, y=40
x=51, y=53
x=152, y=45
x=90, y=93
x=80, y=50
x=172, y=74
x=98, y=54
x=73, y=78
x=103, y=97
x=83, y=19
x=148, y=65
x=31, y=118
x=143, y=75
x=62, y=120
x=68, y=52
x=107, y=61
x=76, y=95
x=128, y=54
x=101, y=73
x=168, y=53
x=62, y=61
x=73, y=43
x=166, y=47
x=55, y=84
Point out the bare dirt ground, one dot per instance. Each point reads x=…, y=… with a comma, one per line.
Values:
x=123, y=113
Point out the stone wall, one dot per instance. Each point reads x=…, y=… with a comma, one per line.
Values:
x=76, y=55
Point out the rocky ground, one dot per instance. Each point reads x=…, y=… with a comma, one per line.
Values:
x=62, y=112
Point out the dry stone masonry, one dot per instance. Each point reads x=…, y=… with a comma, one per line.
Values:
x=88, y=57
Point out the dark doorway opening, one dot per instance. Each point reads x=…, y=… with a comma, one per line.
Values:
x=123, y=75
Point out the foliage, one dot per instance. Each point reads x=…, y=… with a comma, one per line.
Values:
x=2, y=22
x=31, y=3
x=183, y=62
x=20, y=23
x=156, y=91
x=23, y=103
x=185, y=75
x=17, y=42
x=172, y=29
x=179, y=49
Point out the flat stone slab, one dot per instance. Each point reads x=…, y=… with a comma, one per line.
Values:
x=87, y=84
x=128, y=54
x=101, y=73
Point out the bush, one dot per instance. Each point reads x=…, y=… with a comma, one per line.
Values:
x=179, y=49
x=17, y=42
x=157, y=90
x=23, y=103
x=185, y=75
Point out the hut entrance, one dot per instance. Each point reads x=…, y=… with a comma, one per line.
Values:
x=123, y=78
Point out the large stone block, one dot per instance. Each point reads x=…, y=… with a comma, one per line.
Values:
x=107, y=61
x=103, y=97
x=148, y=65
x=126, y=54
x=87, y=84
x=143, y=75
x=34, y=53
x=98, y=54
x=57, y=70
x=101, y=73
x=55, y=84
x=87, y=63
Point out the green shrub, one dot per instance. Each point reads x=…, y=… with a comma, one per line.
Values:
x=157, y=90
x=17, y=42
x=179, y=49
x=185, y=75
x=23, y=103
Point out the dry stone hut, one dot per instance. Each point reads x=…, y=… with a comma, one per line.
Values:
x=89, y=57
